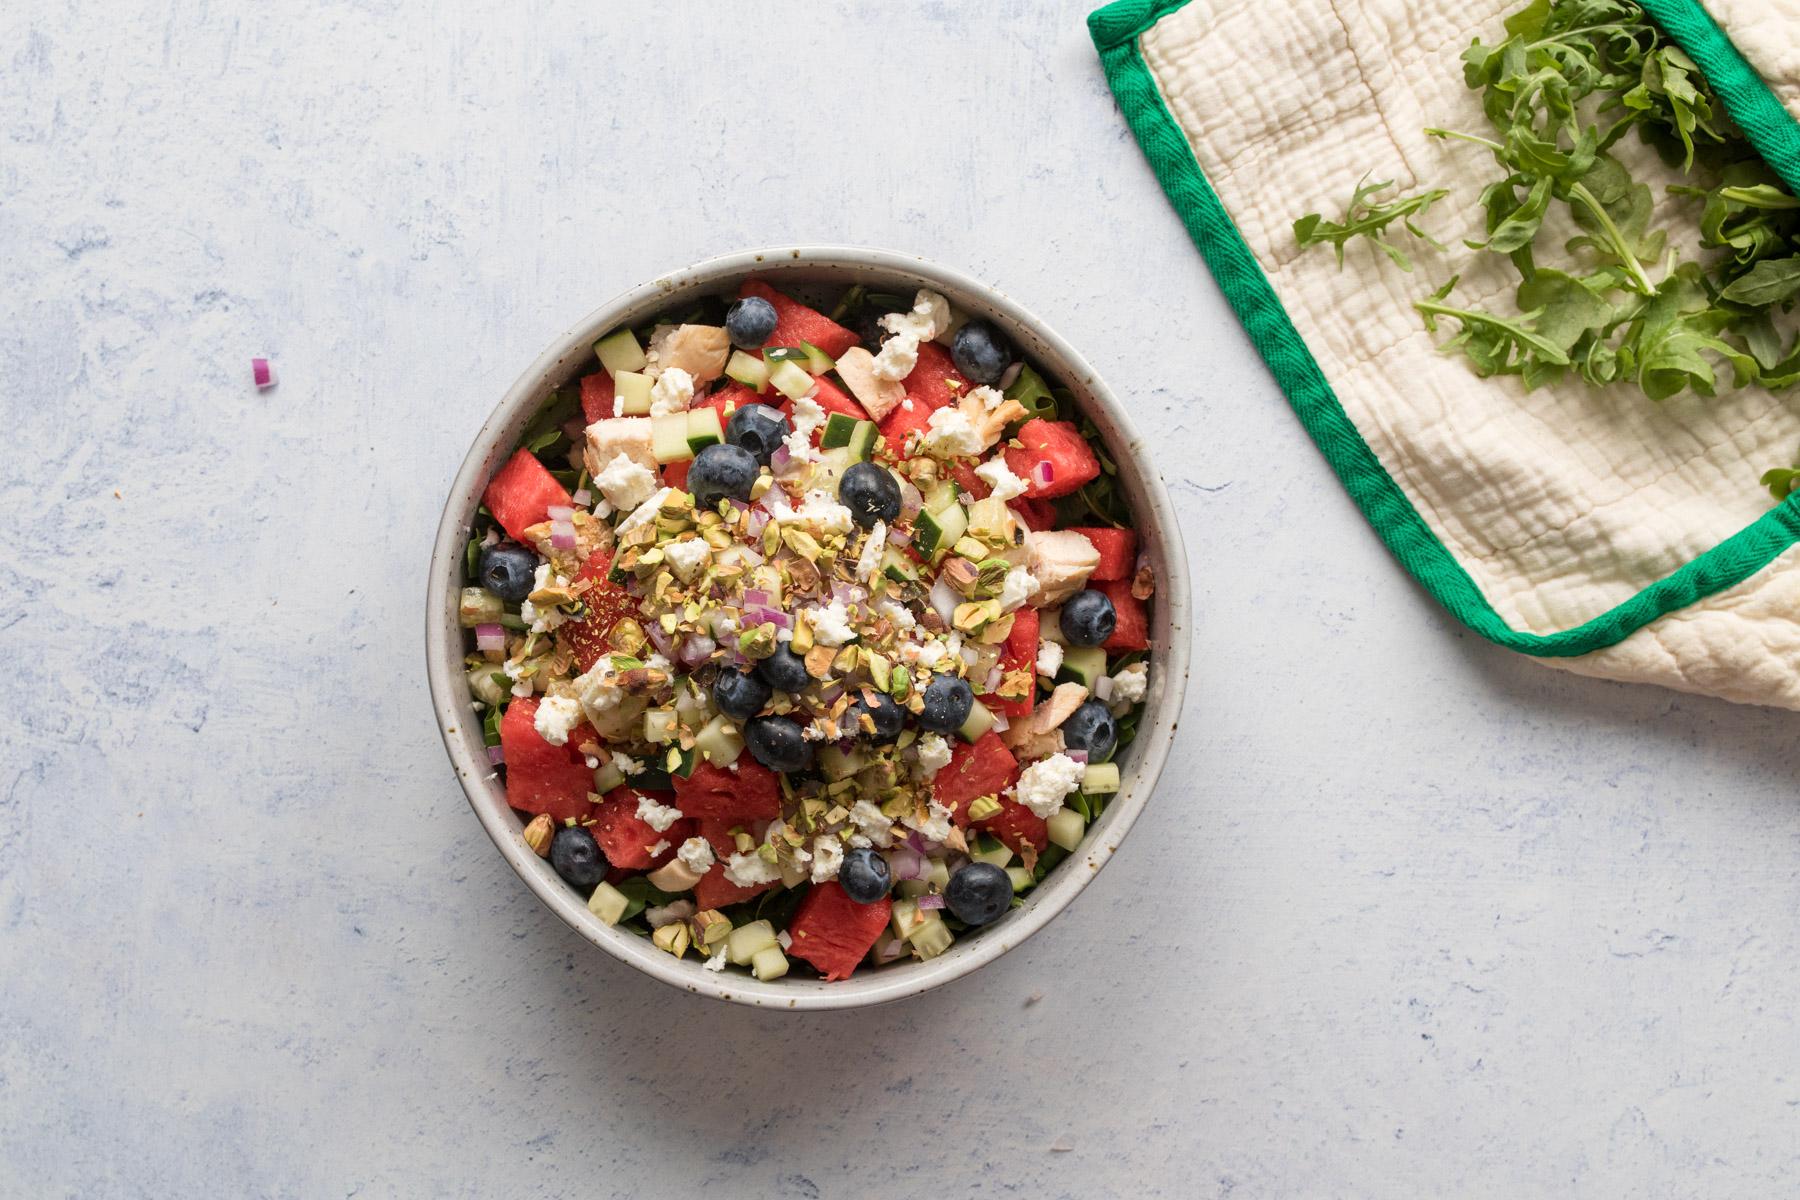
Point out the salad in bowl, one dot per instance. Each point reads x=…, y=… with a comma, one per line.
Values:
x=803, y=631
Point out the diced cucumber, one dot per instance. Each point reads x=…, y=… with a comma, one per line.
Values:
x=992, y=850
x=748, y=370
x=607, y=776
x=942, y=496
x=681, y=762
x=935, y=532
x=990, y=520
x=776, y=355
x=901, y=917
x=829, y=470
x=939, y=874
x=838, y=764
x=1021, y=878
x=1066, y=827
x=1083, y=665
x=837, y=431
x=608, y=903
x=703, y=429
x=854, y=436
x=817, y=361
x=720, y=741
x=898, y=567
x=932, y=938
x=659, y=725
x=1100, y=779
x=791, y=380
x=862, y=440
x=478, y=606
x=485, y=685
x=747, y=941
x=912, y=889
x=669, y=438
x=620, y=352
x=769, y=963
x=633, y=391
x=979, y=721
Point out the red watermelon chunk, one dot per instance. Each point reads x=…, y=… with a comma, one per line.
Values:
x=796, y=323
x=1020, y=654
x=1133, y=629
x=1016, y=825
x=908, y=417
x=1060, y=444
x=675, y=474
x=748, y=793
x=974, y=486
x=521, y=493
x=732, y=396
x=541, y=778
x=833, y=932
x=607, y=603
x=981, y=768
x=935, y=381
x=830, y=397
x=1037, y=515
x=597, y=396
x=1118, y=551
x=625, y=838
x=716, y=891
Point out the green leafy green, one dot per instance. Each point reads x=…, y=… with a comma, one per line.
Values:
x=1363, y=217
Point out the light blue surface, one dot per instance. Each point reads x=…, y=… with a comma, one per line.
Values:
x=1410, y=916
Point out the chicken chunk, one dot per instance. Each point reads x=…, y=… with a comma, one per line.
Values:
x=1039, y=735
x=613, y=436
x=700, y=350
x=879, y=396
x=1061, y=561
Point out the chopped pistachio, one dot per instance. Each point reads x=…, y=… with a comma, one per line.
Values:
x=538, y=834
x=846, y=660
x=1015, y=685
x=970, y=616
x=759, y=642
x=899, y=682
x=771, y=539
x=983, y=807
x=766, y=852
x=712, y=927
x=818, y=661
x=743, y=841
x=961, y=574
x=673, y=937
x=991, y=573
x=717, y=537
x=878, y=668
x=800, y=542
x=970, y=548
x=761, y=487
x=627, y=636
x=803, y=636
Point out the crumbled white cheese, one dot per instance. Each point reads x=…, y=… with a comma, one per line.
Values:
x=627, y=765
x=521, y=687
x=686, y=558
x=555, y=717
x=696, y=854
x=672, y=392
x=869, y=561
x=717, y=961
x=934, y=754
x=1000, y=478
x=991, y=398
x=750, y=870
x=831, y=624
x=1017, y=588
x=543, y=620
x=645, y=513
x=931, y=653
x=657, y=816
x=600, y=693
x=1044, y=783
x=897, y=358
x=930, y=316
x=900, y=616
x=872, y=823
x=1128, y=686
x=949, y=434
x=936, y=825
x=808, y=415
x=823, y=513
x=624, y=483
x=1050, y=656
x=827, y=857
x=662, y=844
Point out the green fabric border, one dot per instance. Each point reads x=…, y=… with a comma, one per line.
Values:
x=1115, y=30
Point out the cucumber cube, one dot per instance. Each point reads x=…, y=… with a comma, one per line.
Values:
x=837, y=431
x=898, y=567
x=703, y=429
x=979, y=721
x=817, y=361
x=1066, y=827
x=992, y=851
x=769, y=963
x=935, y=532
x=669, y=438
x=720, y=741
x=620, y=352
x=633, y=391
x=608, y=903
x=791, y=380
x=1100, y=779
x=659, y=725
x=746, y=941
x=836, y=764
x=1083, y=665
x=1021, y=878
x=607, y=777
x=932, y=938
x=942, y=496
x=752, y=372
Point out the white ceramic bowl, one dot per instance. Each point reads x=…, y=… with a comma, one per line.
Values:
x=1159, y=532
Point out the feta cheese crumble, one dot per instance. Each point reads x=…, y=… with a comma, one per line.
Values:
x=1000, y=478
x=645, y=513
x=1044, y=783
x=657, y=816
x=1049, y=659
x=1129, y=685
x=827, y=857
x=831, y=624
x=686, y=558
x=627, y=765
x=872, y=823
x=750, y=870
x=696, y=854
x=898, y=356
x=869, y=561
x=543, y=620
x=555, y=717
x=672, y=392
x=949, y=434
x=624, y=483
x=937, y=823
x=934, y=754
x=1017, y=588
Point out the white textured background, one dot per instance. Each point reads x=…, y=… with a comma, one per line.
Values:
x=1409, y=917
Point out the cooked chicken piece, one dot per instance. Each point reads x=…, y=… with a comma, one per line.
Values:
x=1061, y=561
x=1040, y=735
x=700, y=350
x=990, y=424
x=630, y=436
x=879, y=396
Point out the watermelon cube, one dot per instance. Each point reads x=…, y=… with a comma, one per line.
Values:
x=626, y=839
x=935, y=381
x=597, y=396
x=716, y=891
x=607, y=603
x=747, y=792
x=1017, y=826
x=1037, y=515
x=974, y=486
x=675, y=474
x=833, y=932
x=982, y=768
x=908, y=417
x=1118, y=552
x=1059, y=443
x=541, y=778
x=1020, y=654
x=796, y=323
x=521, y=493
x=1133, y=629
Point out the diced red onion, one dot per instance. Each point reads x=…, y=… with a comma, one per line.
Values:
x=849, y=593
x=944, y=599
x=993, y=681
x=561, y=540
x=759, y=521
x=767, y=616
x=697, y=649
x=750, y=555
x=899, y=537
x=969, y=655
x=559, y=512
x=917, y=841
x=830, y=695
x=263, y=372
x=1043, y=472
x=490, y=637
x=583, y=497
x=660, y=640
x=1010, y=376
x=906, y=863
x=1103, y=688
x=931, y=901
x=1001, y=724
x=888, y=948
x=496, y=755
x=757, y=598
x=1080, y=756
x=911, y=500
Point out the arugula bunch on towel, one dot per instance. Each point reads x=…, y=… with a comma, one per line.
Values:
x=1569, y=81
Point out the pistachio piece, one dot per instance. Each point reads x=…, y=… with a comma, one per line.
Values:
x=759, y=642
x=962, y=575
x=818, y=661
x=673, y=937
x=983, y=807
x=538, y=834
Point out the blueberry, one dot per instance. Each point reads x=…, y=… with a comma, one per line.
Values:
x=870, y=493
x=758, y=428
x=1092, y=728
x=947, y=704
x=751, y=322
x=885, y=715
x=576, y=856
x=784, y=670
x=776, y=743
x=739, y=694
x=507, y=569
x=864, y=876
x=1088, y=618
x=867, y=325
x=721, y=472
x=981, y=352
x=978, y=893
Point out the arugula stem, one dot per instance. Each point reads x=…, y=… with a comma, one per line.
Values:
x=1611, y=232
x=1563, y=37
x=1496, y=147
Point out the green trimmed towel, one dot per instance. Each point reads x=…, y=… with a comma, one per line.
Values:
x=1598, y=530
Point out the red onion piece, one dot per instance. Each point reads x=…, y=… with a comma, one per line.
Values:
x=888, y=948
x=906, y=863
x=917, y=841
x=759, y=521
x=1043, y=472
x=697, y=649
x=757, y=598
x=830, y=695
x=930, y=901
x=1001, y=724
x=583, y=497
x=490, y=637
x=993, y=681
x=262, y=371
x=496, y=755
x=562, y=541
x=1080, y=756
x=899, y=537
x=660, y=640
x=944, y=599
x=559, y=512
x=1103, y=688
x=911, y=500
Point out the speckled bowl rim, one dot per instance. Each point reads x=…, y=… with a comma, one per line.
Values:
x=1142, y=761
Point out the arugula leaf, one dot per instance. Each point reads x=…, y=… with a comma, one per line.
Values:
x=1495, y=345
x=1363, y=217
x=1770, y=282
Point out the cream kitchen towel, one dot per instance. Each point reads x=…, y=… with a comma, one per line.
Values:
x=1603, y=532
